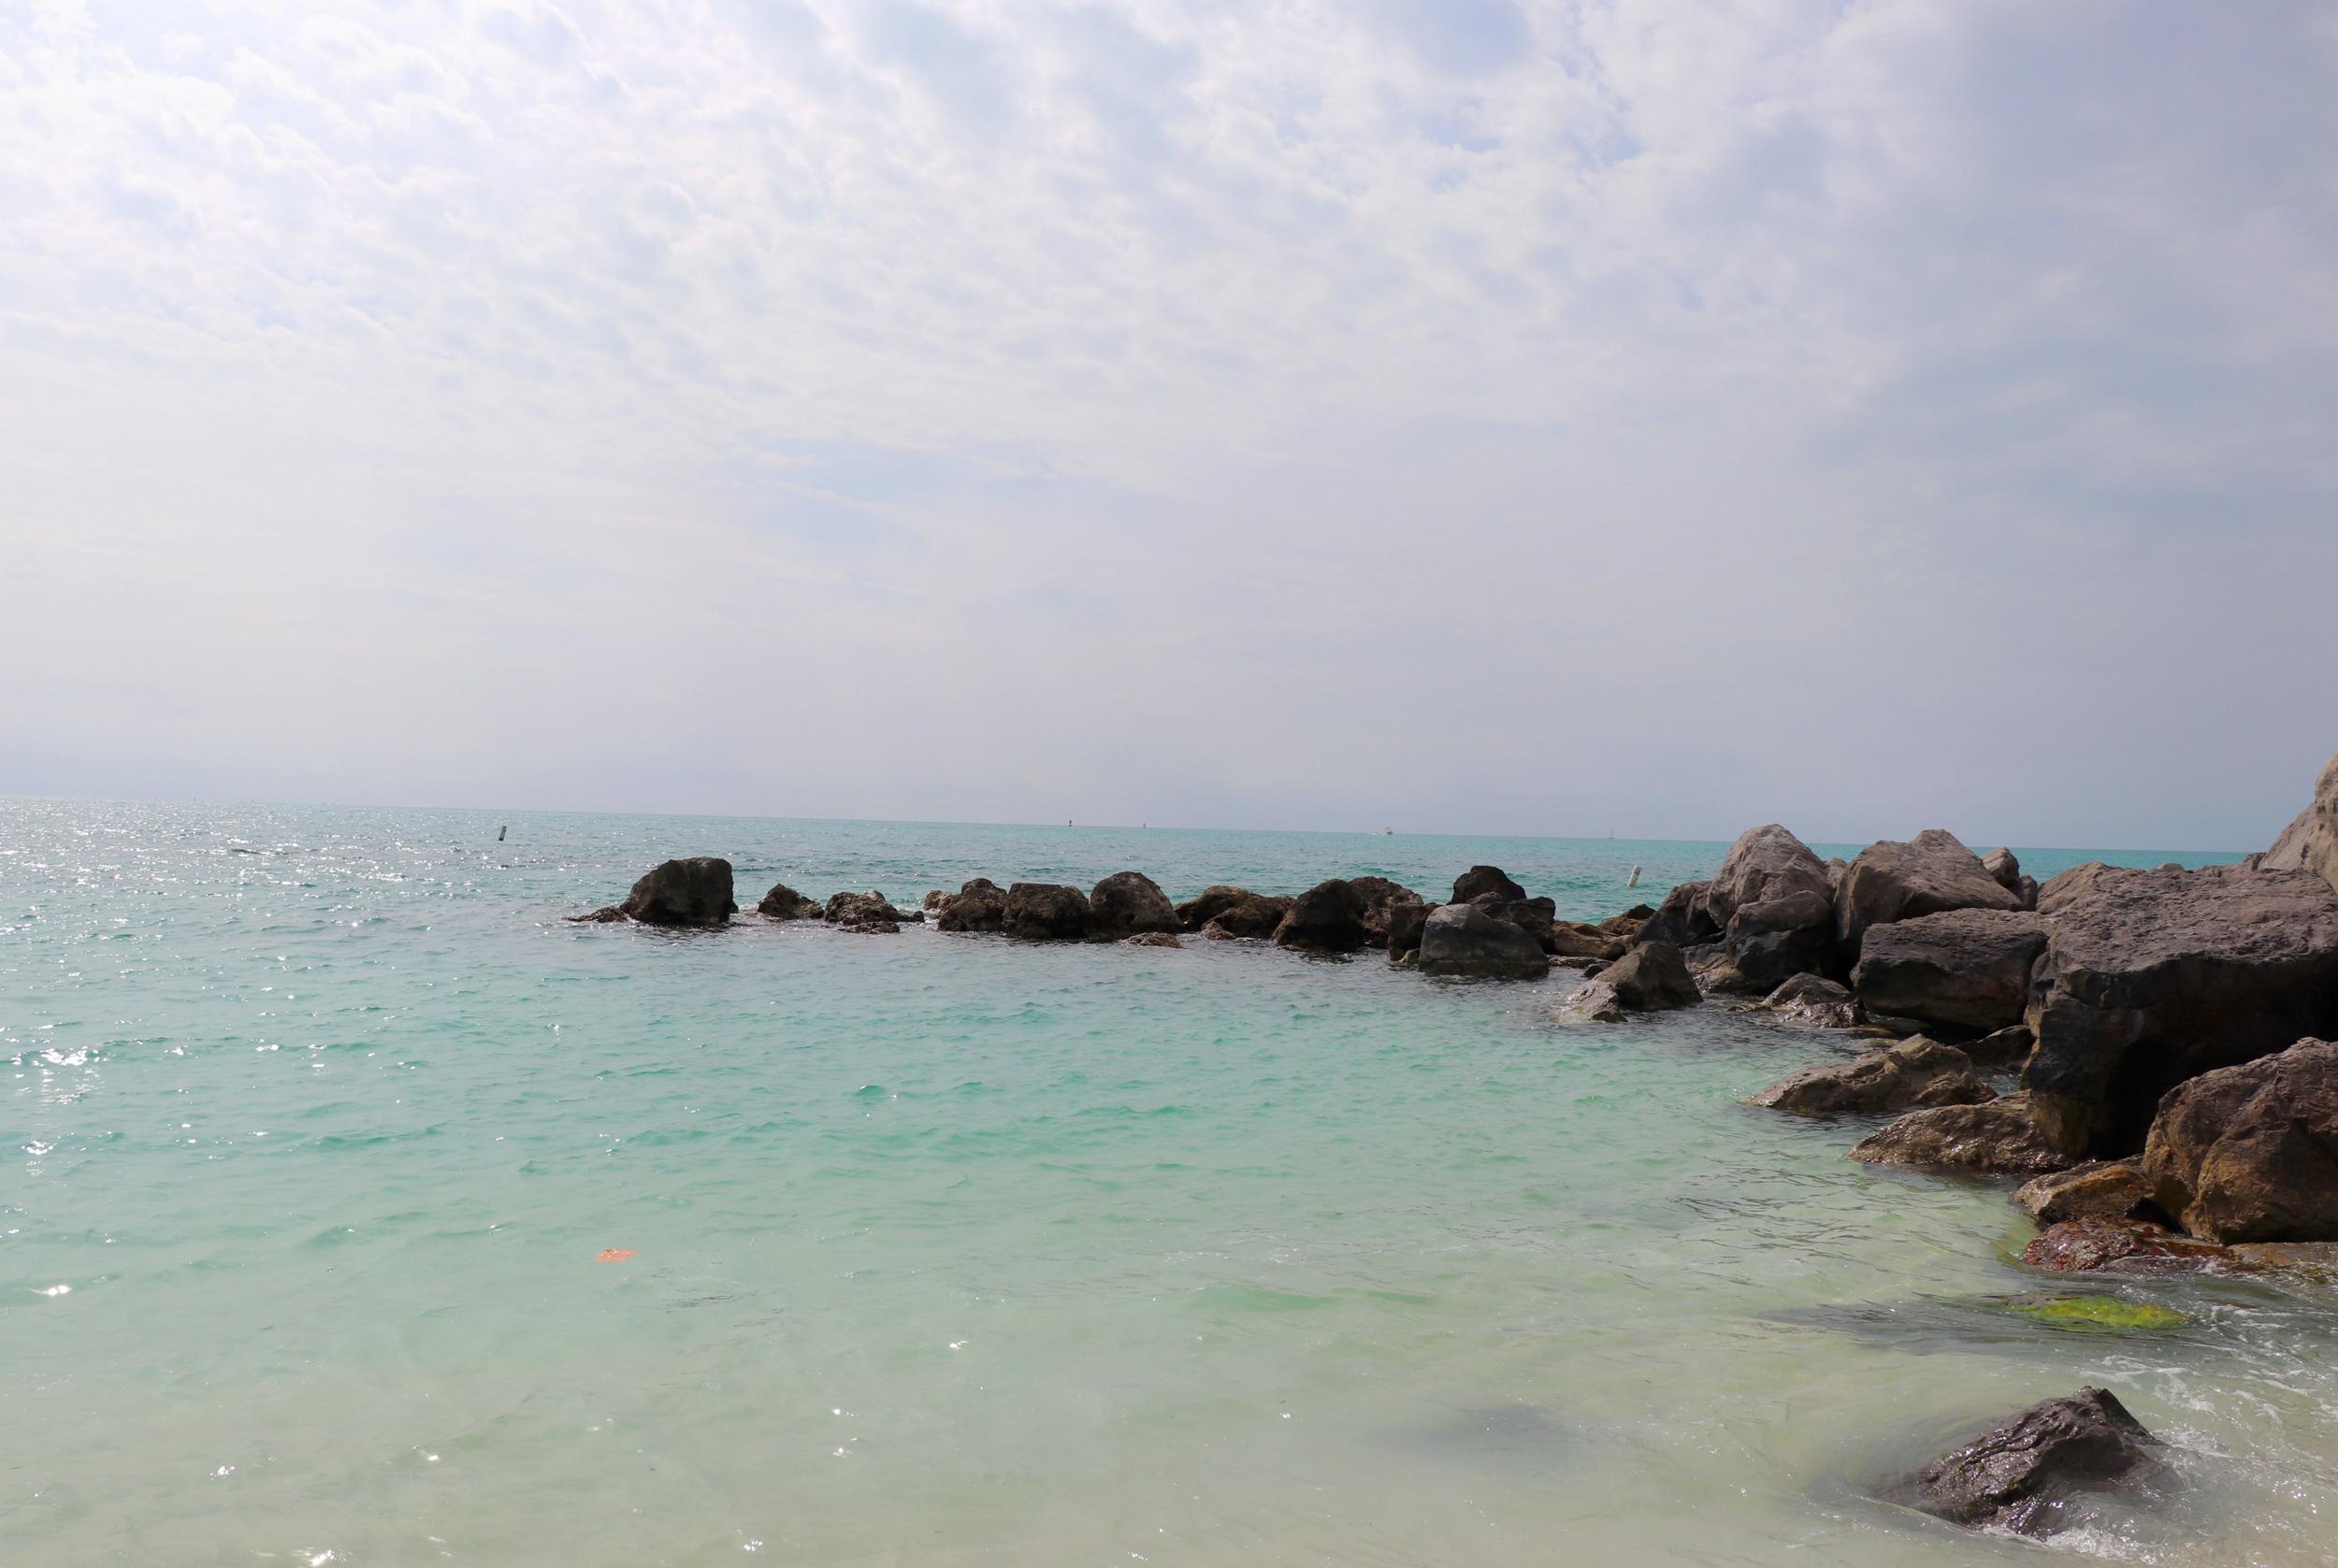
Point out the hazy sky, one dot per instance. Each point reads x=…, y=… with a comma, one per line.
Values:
x=1452, y=414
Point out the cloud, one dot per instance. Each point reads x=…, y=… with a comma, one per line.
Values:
x=1550, y=416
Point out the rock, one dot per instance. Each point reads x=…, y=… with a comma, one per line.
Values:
x=1207, y=905
x=2152, y=977
x=1128, y=904
x=1929, y=874
x=607, y=914
x=1382, y=900
x=1326, y=918
x=2008, y=1047
x=1404, y=927
x=2100, y=1189
x=1811, y=999
x=692, y=892
x=1255, y=918
x=784, y=902
x=1571, y=939
x=2031, y=1475
x=2096, y=1244
x=846, y=908
x=1681, y=920
x=1485, y=879
x=1043, y=911
x=1153, y=939
x=2311, y=842
x=1536, y=917
x=936, y=900
x=1995, y=1138
x=2002, y=866
x=1774, y=904
x=867, y=926
x=1969, y=968
x=1651, y=978
x=1917, y=1071
x=2250, y=1153
x=979, y=906
x=1465, y=940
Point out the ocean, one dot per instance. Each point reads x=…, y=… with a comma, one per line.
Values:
x=950, y=1250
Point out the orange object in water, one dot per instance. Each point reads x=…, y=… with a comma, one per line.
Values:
x=615, y=1255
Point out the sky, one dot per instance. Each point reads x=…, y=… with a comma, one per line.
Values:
x=1540, y=416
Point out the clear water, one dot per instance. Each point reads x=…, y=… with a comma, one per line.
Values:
x=955, y=1251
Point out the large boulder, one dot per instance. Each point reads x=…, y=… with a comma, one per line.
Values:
x=2098, y=1189
x=2250, y=1153
x=1969, y=968
x=1995, y=1138
x=1044, y=912
x=1814, y=999
x=1127, y=903
x=1913, y=1073
x=1651, y=978
x=1326, y=918
x=1404, y=925
x=1929, y=874
x=2005, y=867
x=2115, y=1243
x=1208, y=904
x=2149, y=978
x=1769, y=940
x=1536, y=917
x=1764, y=864
x=871, y=908
x=1571, y=938
x=2311, y=842
x=692, y=892
x=1480, y=880
x=784, y=902
x=1382, y=900
x=1255, y=917
x=1683, y=920
x=2034, y=1475
x=980, y=905
x=1465, y=940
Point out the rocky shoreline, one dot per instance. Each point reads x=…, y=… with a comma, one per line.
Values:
x=2164, y=1037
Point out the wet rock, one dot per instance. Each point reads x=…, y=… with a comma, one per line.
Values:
x=2008, y=1047
x=1683, y=919
x=1326, y=918
x=1383, y=901
x=1153, y=939
x=2093, y=1244
x=2150, y=978
x=2099, y=1189
x=1913, y=1073
x=1404, y=927
x=1480, y=880
x=2250, y=1153
x=1208, y=904
x=2310, y=843
x=1774, y=904
x=1464, y=940
x=1571, y=938
x=1044, y=912
x=2030, y=1475
x=784, y=902
x=1651, y=978
x=1814, y=999
x=871, y=927
x=1254, y=919
x=1995, y=1138
x=1127, y=903
x=692, y=892
x=1969, y=968
x=845, y=909
x=980, y=905
x=1929, y=874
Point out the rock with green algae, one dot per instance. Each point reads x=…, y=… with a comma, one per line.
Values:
x=2094, y=1313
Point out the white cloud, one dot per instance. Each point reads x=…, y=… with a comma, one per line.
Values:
x=1157, y=409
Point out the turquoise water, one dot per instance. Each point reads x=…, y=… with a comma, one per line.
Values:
x=956, y=1251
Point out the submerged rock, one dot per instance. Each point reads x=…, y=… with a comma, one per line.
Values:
x=980, y=905
x=784, y=902
x=1153, y=939
x=1127, y=903
x=1464, y=940
x=1995, y=1138
x=1969, y=968
x=1326, y=918
x=1044, y=911
x=1814, y=999
x=868, y=926
x=1929, y=874
x=2025, y=1474
x=2097, y=1243
x=1917, y=1071
x=2250, y=1153
x=2150, y=978
x=2099, y=1189
x=1480, y=880
x=692, y=892
x=1651, y=978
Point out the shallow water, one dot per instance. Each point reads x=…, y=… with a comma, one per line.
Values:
x=952, y=1250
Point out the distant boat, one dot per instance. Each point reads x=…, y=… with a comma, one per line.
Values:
x=1388, y=832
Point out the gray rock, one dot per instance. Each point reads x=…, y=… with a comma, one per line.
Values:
x=1929, y=874
x=1969, y=968
x=1651, y=978
x=2032, y=1475
x=2152, y=977
x=1913, y=1073
x=1997, y=1138
x=2250, y=1153
x=1044, y=912
x=1128, y=904
x=1774, y=904
x=1683, y=920
x=1464, y=940
x=1405, y=923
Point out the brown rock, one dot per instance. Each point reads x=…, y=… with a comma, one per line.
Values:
x=784, y=902
x=1967, y=968
x=1479, y=880
x=1255, y=918
x=1153, y=939
x=1326, y=918
x=980, y=905
x=1651, y=978
x=692, y=892
x=1929, y=874
x=2311, y=842
x=1997, y=1138
x=1044, y=912
x=1207, y=905
x=2250, y=1153
x=1917, y=1071
x=2100, y=1189
x=844, y=909
x=2094, y=1244
x=1814, y=999
x=1383, y=902
x=1127, y=903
